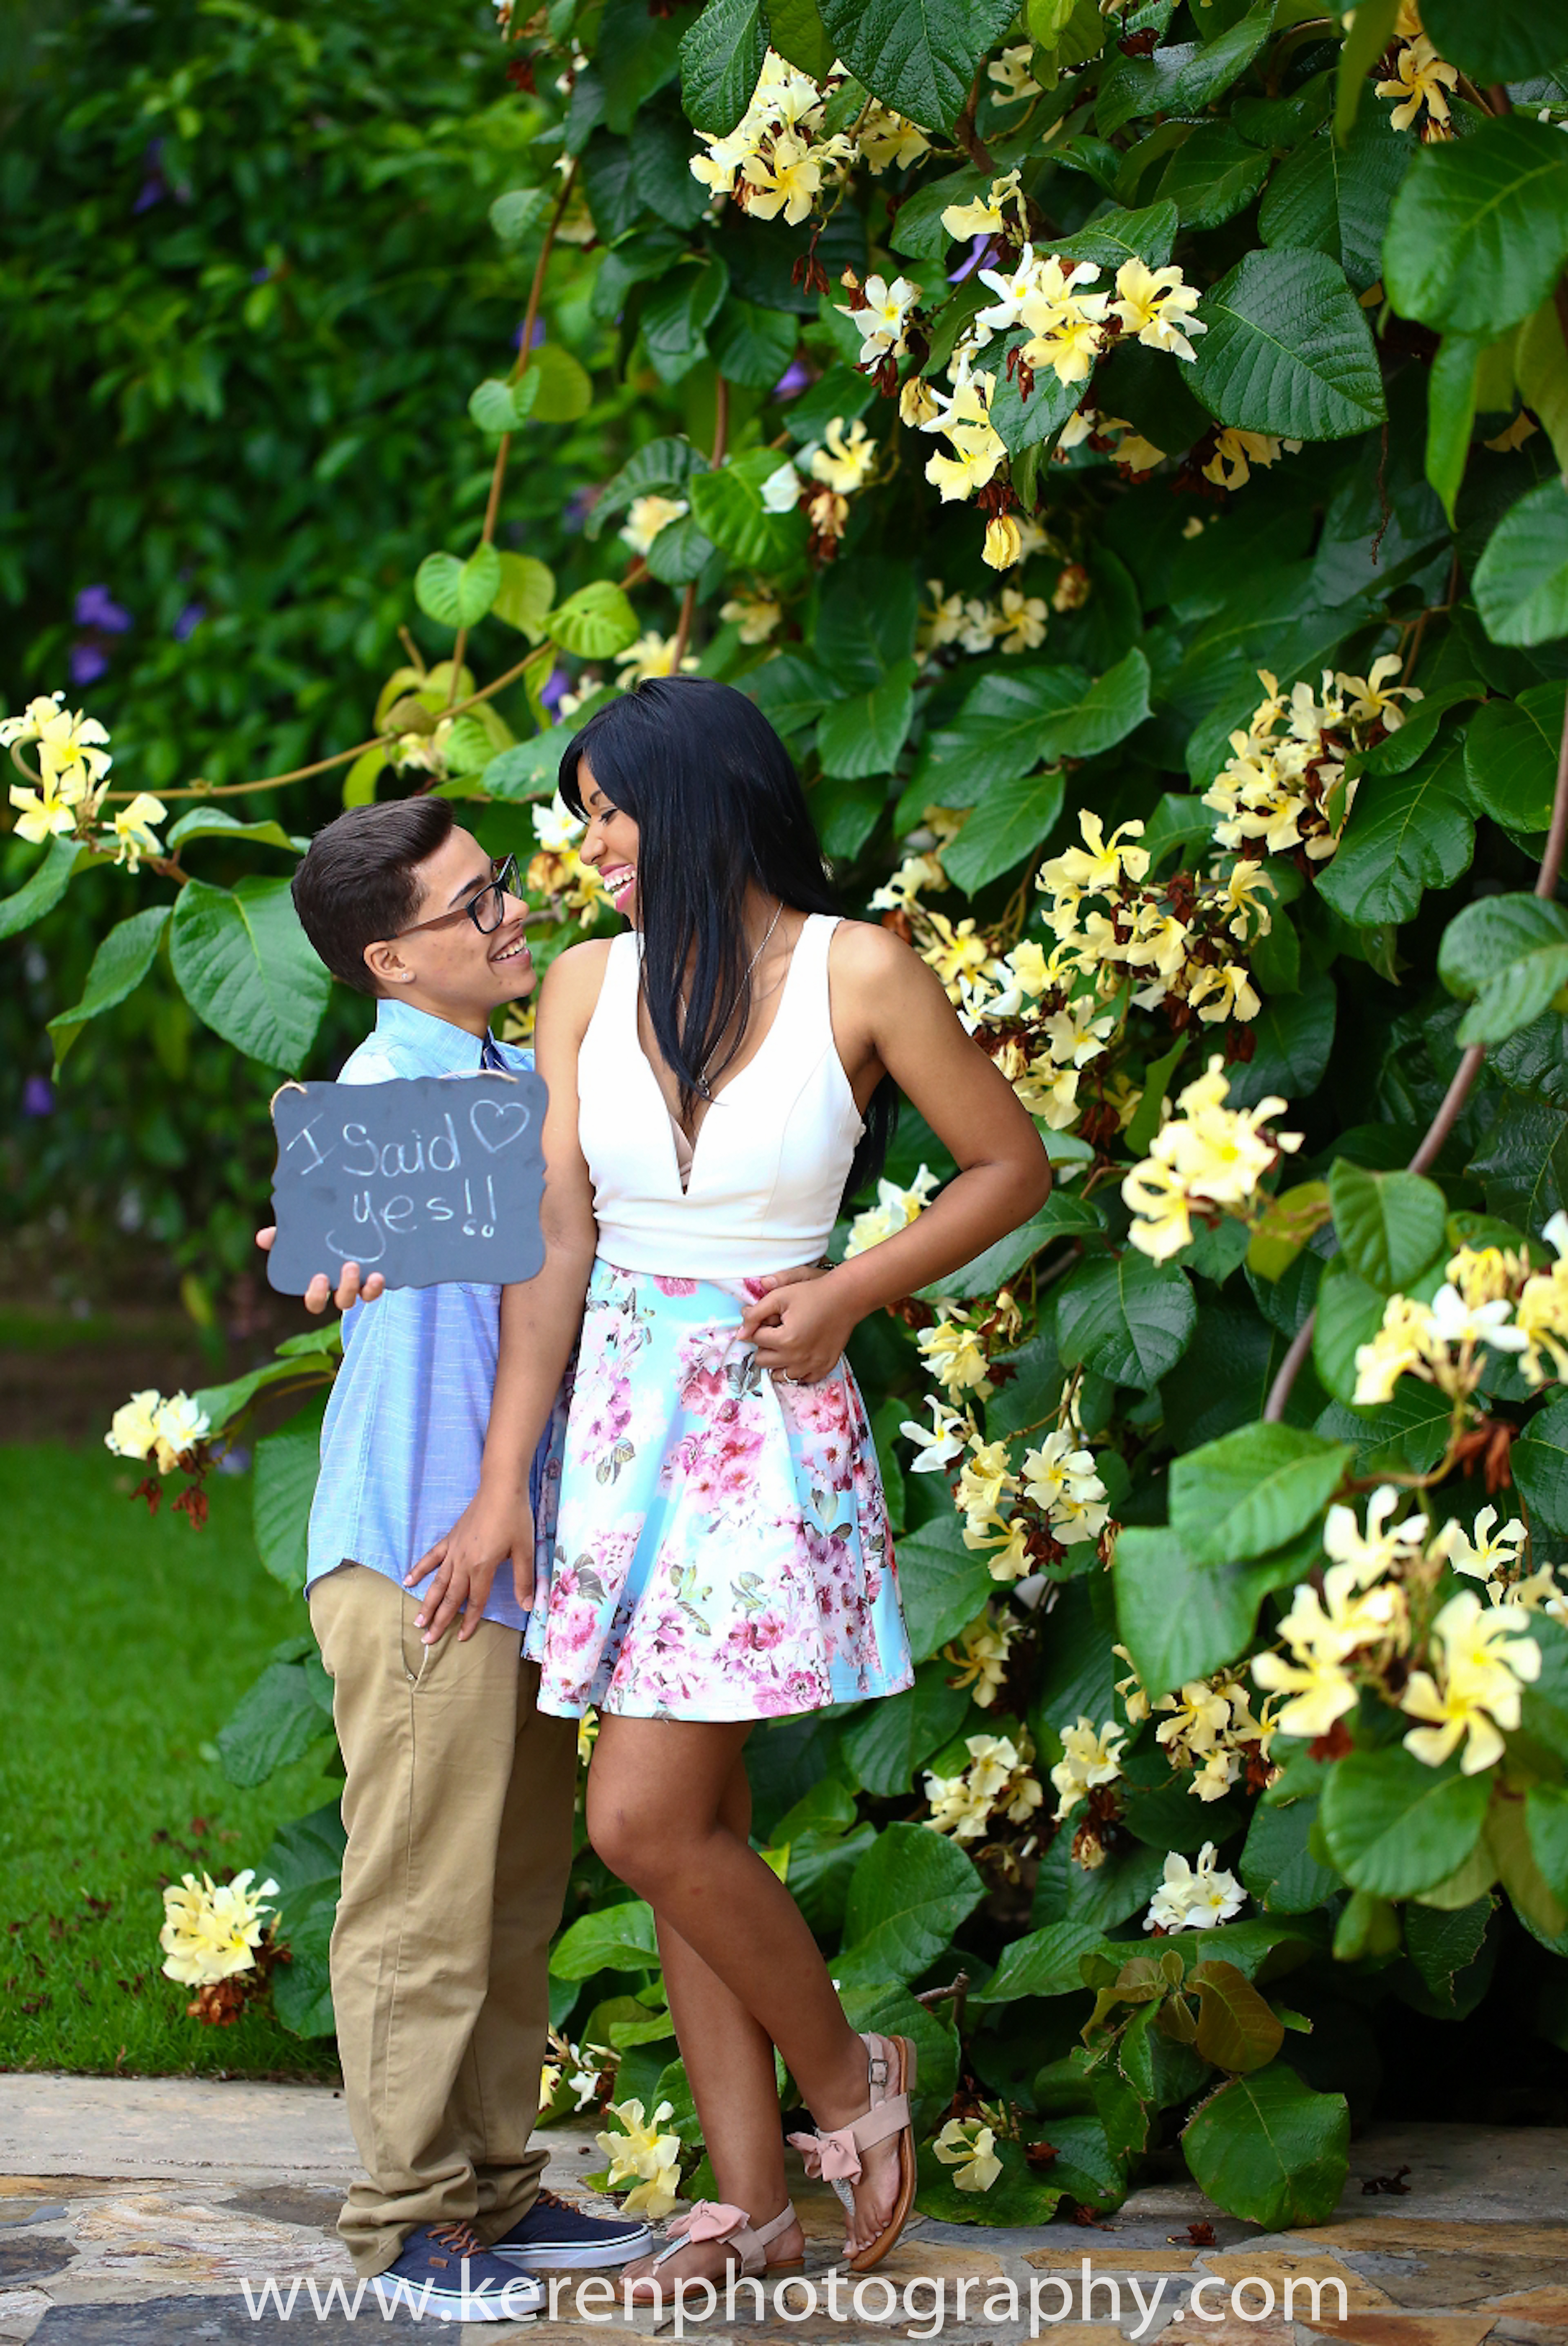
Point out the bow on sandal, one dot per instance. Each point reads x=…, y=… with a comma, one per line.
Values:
x=714, y=2219
x=833, y=2154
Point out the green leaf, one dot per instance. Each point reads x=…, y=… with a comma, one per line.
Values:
x=1508, y=40
x=1044, y=1962
x=1009, y=725
x=1268, y=2148
x=918, y=230
x=919, y=56
x=911, y=1892
x=1365, y=40
x=1479, y=231
x=727, y=507
x=1278, y=1865
x=565, y=388
x=1287, y=350
x=1546, y=1822
x=796, y=29
x=595, y=622
x=458, y=594
x=1541, y=363
x=1182, y=78
x=1126, y=1318
x=1521, y=582
x=752, y=344
x=891, y=1742
x=1407, y=832
x=216, y=822
x=1335, y=199
x=278, y=1720
x=1451, y=414
x=1511, y=952
x=1235, y=2028
x=119, y=965
x=1214, y=175
x=676, y=315
x=501, y=406
x=1028, y=423
x=864, y=736
x=43, y=888
x=1539, y=1461
x=943, y=1584
x=1252, y=1490
x=661, y=468
x=241, y=961
x=306, y=1860
x=1010, y=820
x=1181, y=1619
x=284, y=1484
x=1113, y=236
x=1063, y=1216
x=524, y=597
x=1391, y=1226
x=679, y=553
x=790, y=690
x=1394, y=1826
x=302, y=1987
x=614, y=1939
x=635, y=53
x=721, y=64
x=518, y=210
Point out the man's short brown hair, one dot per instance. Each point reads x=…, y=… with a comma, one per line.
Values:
x=359, y=880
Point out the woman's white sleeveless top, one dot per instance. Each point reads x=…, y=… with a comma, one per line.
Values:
x=771, y=1155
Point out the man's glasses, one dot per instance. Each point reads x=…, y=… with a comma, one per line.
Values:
x=486, y=908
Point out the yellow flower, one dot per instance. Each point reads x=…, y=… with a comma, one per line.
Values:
x=211, y=1931
x=957, y=951
x=1154, y=305
x=888, y=137
x=640, y=2151
x=132, y=829
x=68, y=750
x=646, y=516
x=1099, y=870
x=755, y=615
x=133, y=1429
x=43, y=814
x=1486, y=1658
x=1087, y=1759
x=27, y=725
x=977, y=452
x=981, y=1654
x=787, y=182
x=969, y=2148
x=651, y=655
x=1024, y=620
x=1002, y=542
x=882, y=316
x=1400, y=1345
x=1420, y=77
x=178, y=1428
x=1237, y=452
x=983, y=215
x=1489, y=1552
x=894, y=1210
x=952, y=1352
x=843, y=463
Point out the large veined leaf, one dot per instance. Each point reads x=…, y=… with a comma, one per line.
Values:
x=614, y=1938
x=119, y=965
x=1539, y=1463
x=1521, y=579
x=728, y=508
x=1252, y=1490
x=864, y=736
x=919, y=56
x=283, y=1486
x=1126, y=1318
x=1236, y=2029
x=1395, y=1826
x=661, y=468
x=945, y=1584
x=241, y=961
x=752, y=344
x=1025, y=422
x=1511, y=954
x=500, y=406
x=721, y=62
x=43, y=888
x=676, y=315
x=1011, y=820
x=1407, y=832
x=565, y=388
x=1181, y=1619
x=1011, y=724
x=1113, y=237
x=887, y=1745
x=216, y=822
x=1215, y=174
x=910, y=1893
x=1367, y=32
x=454, y=592
x=866, y=619
x=1268, y=2149
x=1277, y=1864
x=524, y=597
x=1391, y=1226
x=1045, y=1963
x=1287, y=350
x=1508, y=40
x=288, y=1709
x=595, y=622
x=1335, y=199
x=1479, y=230
x=1063, y=1216
x=797, y=31
x=1182, y=78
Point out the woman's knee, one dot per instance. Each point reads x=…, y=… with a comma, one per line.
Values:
x=643, y=1842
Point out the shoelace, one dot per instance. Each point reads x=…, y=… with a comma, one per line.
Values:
x=461, y=2238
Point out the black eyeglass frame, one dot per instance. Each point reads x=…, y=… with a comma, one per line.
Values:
x=503, y=882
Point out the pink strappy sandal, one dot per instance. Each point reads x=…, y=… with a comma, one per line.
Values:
x=714, y=2219
x=834, y=2153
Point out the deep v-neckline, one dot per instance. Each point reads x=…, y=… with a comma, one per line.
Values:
x=672, y=1121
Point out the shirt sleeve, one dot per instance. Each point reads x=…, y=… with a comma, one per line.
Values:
x=368, y=1066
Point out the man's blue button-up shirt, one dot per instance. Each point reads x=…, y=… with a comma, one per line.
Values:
x=404, y=1431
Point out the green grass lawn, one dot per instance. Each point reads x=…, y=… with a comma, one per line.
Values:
x=131, y=1641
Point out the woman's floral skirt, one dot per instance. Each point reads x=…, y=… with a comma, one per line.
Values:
x=721, y=1547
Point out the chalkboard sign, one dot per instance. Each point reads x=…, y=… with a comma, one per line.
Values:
x=426, y=1179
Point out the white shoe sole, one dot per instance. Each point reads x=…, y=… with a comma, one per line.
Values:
x=592, y=2256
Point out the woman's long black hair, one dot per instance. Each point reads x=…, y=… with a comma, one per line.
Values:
x=718, y=804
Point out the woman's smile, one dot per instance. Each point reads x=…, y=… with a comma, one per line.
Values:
x=620, y=883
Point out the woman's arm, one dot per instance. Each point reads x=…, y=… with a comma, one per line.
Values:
x=540, y=1317
x=891, y=1015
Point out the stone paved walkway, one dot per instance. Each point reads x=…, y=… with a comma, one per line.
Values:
x=131, y=2211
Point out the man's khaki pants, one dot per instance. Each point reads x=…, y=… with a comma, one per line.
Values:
x=458, y=1807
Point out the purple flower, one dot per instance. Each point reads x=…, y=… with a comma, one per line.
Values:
x=187, y=621
x=88, y=661
x=795, y=377
x=979, y=246
x=578, y=506
x=155, y=187
x=538, y=335
x=550, y=692
x=96, y=607
x=261, y=276
x=37, y=1096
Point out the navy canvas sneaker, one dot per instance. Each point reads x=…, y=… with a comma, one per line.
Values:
x=555, y=2237
x=445, y=2274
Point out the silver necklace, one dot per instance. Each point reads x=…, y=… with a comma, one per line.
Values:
x=704, y=1087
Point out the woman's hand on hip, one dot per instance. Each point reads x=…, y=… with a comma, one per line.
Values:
x=465, y=1565
x=800, y=1331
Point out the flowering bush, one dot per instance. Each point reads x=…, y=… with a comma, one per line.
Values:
x=1003, y=408
x=218, y=1938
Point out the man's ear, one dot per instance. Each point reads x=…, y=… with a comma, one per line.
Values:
x=387, y=966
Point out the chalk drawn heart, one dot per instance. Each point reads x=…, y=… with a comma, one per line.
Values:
x=498, y=1123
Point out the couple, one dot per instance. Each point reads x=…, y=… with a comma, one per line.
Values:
x=699, y=1543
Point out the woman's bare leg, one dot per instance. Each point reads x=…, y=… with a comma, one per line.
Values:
x=664, y=1812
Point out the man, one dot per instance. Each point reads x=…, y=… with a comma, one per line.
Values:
x=459, y=1796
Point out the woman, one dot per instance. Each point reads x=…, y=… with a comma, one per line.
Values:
x=719, y=1076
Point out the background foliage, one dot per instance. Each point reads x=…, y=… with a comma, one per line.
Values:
x=1326, y=447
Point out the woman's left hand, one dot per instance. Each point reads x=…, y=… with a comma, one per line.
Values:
x=800, y=1331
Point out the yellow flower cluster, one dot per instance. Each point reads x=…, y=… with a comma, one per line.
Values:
x=1015, y=622
x=64, y=799
x=1195, y=1897
x=557, y=869
x=1490, y=1299
x=1089, y=1761
x=779, y=156
x=999, y=1782
x=147, y=1426
x=640, y=2155
x=894, y=1210
x=840, y=464
x=211, y=1930
x=1206, y=1160
x=968, y=2147
x=1279, y=791
x=571, y=2074
x=756, y=614
x=1235, y=453
x=979, y=1656
x=1421, y=80
x=1212, y=1733
x=646, y=516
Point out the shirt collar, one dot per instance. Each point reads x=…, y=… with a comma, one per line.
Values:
x=442, y=1048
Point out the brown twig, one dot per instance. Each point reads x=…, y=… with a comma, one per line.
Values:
x=1460, y=1088
x=720, y=441
x=968, y=137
